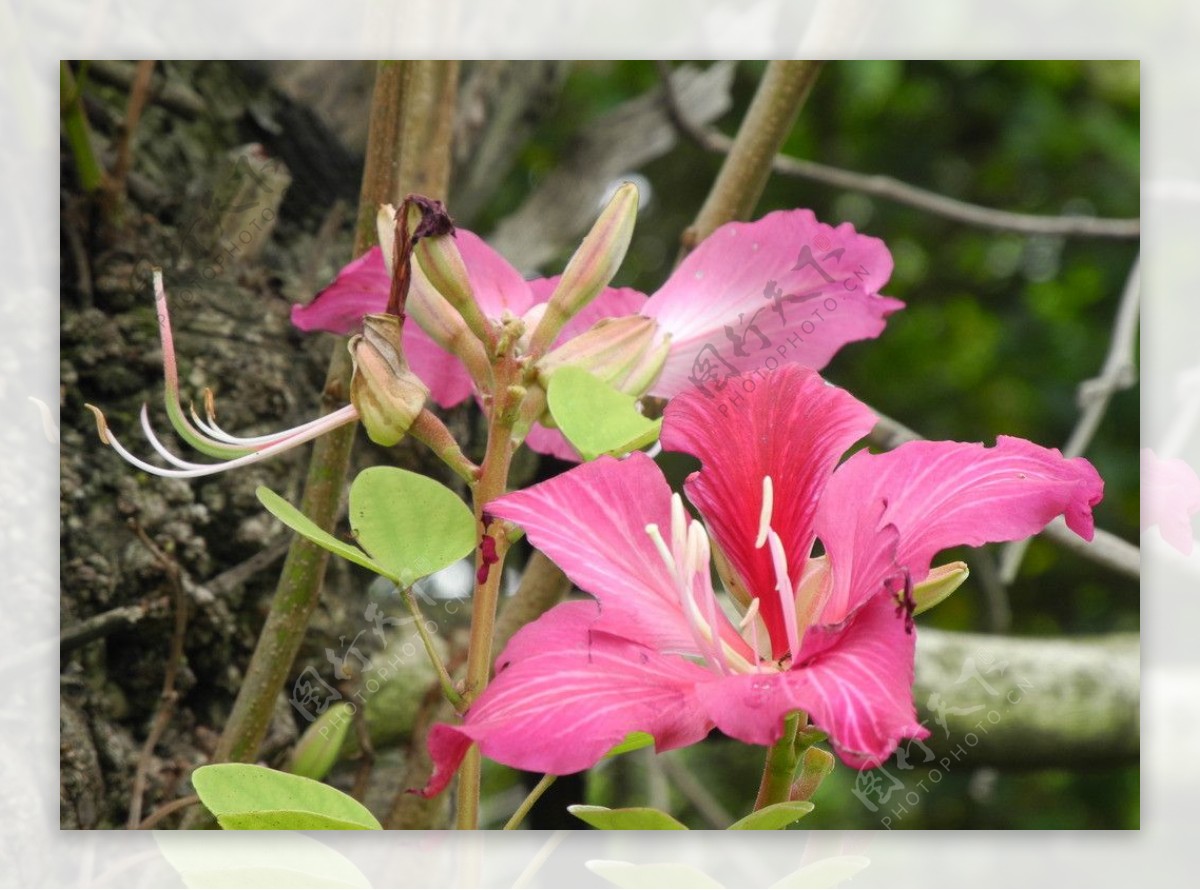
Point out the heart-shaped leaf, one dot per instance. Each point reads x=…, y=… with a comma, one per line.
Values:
x=596, y=418
x=411, y=525
x=774, y=817
x=628, y=819
x=302, y=525
x=247, y=797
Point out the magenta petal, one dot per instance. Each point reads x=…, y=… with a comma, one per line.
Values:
x=855, y=683
x=792, y=427
x=360, y=288
x=785, y=287
x=1170, y=497
x=885, y=515
x=447, y=378
x=496, y=284
x=565, y=694
x=544, y=440
x=613, y=302
x=591, y=521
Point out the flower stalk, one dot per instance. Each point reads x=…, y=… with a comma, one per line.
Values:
x=780, y=767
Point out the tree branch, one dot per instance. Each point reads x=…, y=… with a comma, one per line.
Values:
x=1105, y=548
x=902, y=193
x=1118, y=372
x=1007, y=701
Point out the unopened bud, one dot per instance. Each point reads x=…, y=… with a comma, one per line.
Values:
x=318, y=749
x=609, y=349
x=387, y=394
x=816, y=764
x=940, y=583
x=592, y=267
x=385, y=230
x=445, y=271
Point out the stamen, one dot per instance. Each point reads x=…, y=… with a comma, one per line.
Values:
x=661, y=545
x=787, y=596
x=768, y=507
x=679, y=528
x=750, y=615
x=188, y=470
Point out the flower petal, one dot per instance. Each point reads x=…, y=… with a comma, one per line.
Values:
x=855, y=683
x=1170, y=497
x=565, y=694
x=448, y=381
x=544, y=440
x=884, y=515
x=496, y=284
x=785, y=286
x=591, y=521
x=792, y=427
x=360, y=288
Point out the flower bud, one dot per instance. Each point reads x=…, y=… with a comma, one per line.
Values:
x=592, y=267
x=609, y=349
x=385, y=231
x=940, y=583
x=387, y=394
x=444, y=269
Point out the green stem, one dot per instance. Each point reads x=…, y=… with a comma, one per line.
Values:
x=439, y=666
x=78, y=132
x=493, y=481
x=744, y=173
x=530, y=799
x=780, y=766
x=387, y=177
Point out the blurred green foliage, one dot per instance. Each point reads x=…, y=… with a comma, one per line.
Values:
x=999, y=332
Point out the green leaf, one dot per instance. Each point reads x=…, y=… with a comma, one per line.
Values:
x=302, y=525
x=596, y=418
x=628, y=819
x=411, y=525
x=774, y=817
x=633, y=742
x=318, y=749
x=247, y=797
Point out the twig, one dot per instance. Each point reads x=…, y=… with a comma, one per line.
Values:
x=1105, y=548
x=105, y=623
x=533, y=797
x=170, y=94
x=139, y=90
x=743, y=175
x=1118, y=372
x=232, y=578
x=891, y=189
x=167, y=809
x=169, y=697
x=443, y=675
x=694, y=791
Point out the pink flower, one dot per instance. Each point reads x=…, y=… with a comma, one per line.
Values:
x=830, y=635
x=784, y=289
x=1170, y=497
